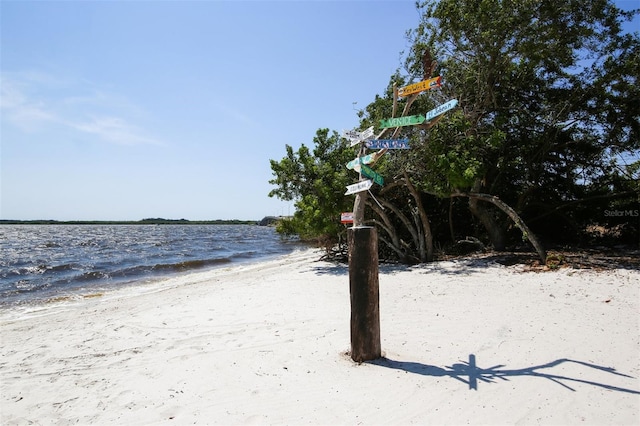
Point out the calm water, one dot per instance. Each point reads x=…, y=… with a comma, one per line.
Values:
x=39, y=263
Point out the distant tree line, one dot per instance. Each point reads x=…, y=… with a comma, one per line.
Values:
x=148, y=221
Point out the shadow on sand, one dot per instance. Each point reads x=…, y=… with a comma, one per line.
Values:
x=470, y=373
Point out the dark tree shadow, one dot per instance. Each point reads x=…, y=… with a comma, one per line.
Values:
x=463, y=267
x=469, y=373
x=333, y=269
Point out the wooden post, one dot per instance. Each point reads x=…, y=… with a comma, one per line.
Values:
x=361, y=197
x=364, y=289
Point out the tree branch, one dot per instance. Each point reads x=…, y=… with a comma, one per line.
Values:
x=526, y=232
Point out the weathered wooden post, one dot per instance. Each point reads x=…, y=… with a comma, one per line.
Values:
x=363, y=240
x=363, y=260
x=364, y=290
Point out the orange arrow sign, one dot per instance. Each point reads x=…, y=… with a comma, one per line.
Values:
x=432, y=83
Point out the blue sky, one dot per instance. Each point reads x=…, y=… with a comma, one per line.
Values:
x=123, y=110
x=126, y=110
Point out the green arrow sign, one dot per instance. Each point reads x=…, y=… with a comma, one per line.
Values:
x=409, y=120
x=368, y=172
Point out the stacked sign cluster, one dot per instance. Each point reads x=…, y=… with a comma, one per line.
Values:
x=363, y=162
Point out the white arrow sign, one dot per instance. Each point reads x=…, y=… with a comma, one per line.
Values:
x=363, y=185
x=357, y=137
x=441, y=109
x=350, y=134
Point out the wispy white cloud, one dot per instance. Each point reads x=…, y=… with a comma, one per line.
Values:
x=34, y=101
x=18, y=108
x=114, y=130
x=236, y=115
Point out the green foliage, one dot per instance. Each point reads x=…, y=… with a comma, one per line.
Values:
x=548, y=91
x=286, y=227
x=547, y=120
x=316, y=180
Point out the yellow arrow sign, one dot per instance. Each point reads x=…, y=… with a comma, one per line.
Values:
x=421, y=86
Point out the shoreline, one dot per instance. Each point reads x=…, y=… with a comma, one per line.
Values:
x=464, y=341
x=81, y=282
x=140, y=286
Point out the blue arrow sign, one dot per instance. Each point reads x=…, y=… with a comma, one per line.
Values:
x=388, y=143
x=441, y=109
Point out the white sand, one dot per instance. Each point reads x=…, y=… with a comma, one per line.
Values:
x=266, y=344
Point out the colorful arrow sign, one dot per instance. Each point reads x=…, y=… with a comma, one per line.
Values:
x=388, y=143
x=354, y=163
x=441, y=109
x=350, y=134
x=356, y=137
x=421, y=86
x=371, y=174
x=367, y=159
x=409, y=120
x=358, y=187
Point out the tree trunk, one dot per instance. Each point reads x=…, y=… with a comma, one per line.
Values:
x=422, y=248
x=495, y=231
x=451, y=231
x=413, y=230
x=526, y=232
x=399, y=252
x=390, y=229
x=428, y=237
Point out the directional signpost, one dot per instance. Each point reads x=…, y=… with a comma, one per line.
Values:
x=370, y=173
x=363, y=185
x=388, y=143
x=432, y=83
x=441, y=109
x=356, y=137
x=362, y=240
x=409, y=120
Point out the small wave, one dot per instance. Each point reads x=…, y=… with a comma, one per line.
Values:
x=92, y=276
x=138, y=271
x=247, y=254
x=40, y=269
x=23, y=287
x=191, y=264
x=63, y=267
x=35, y=270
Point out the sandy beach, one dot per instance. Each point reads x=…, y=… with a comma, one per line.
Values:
x=464, y=342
